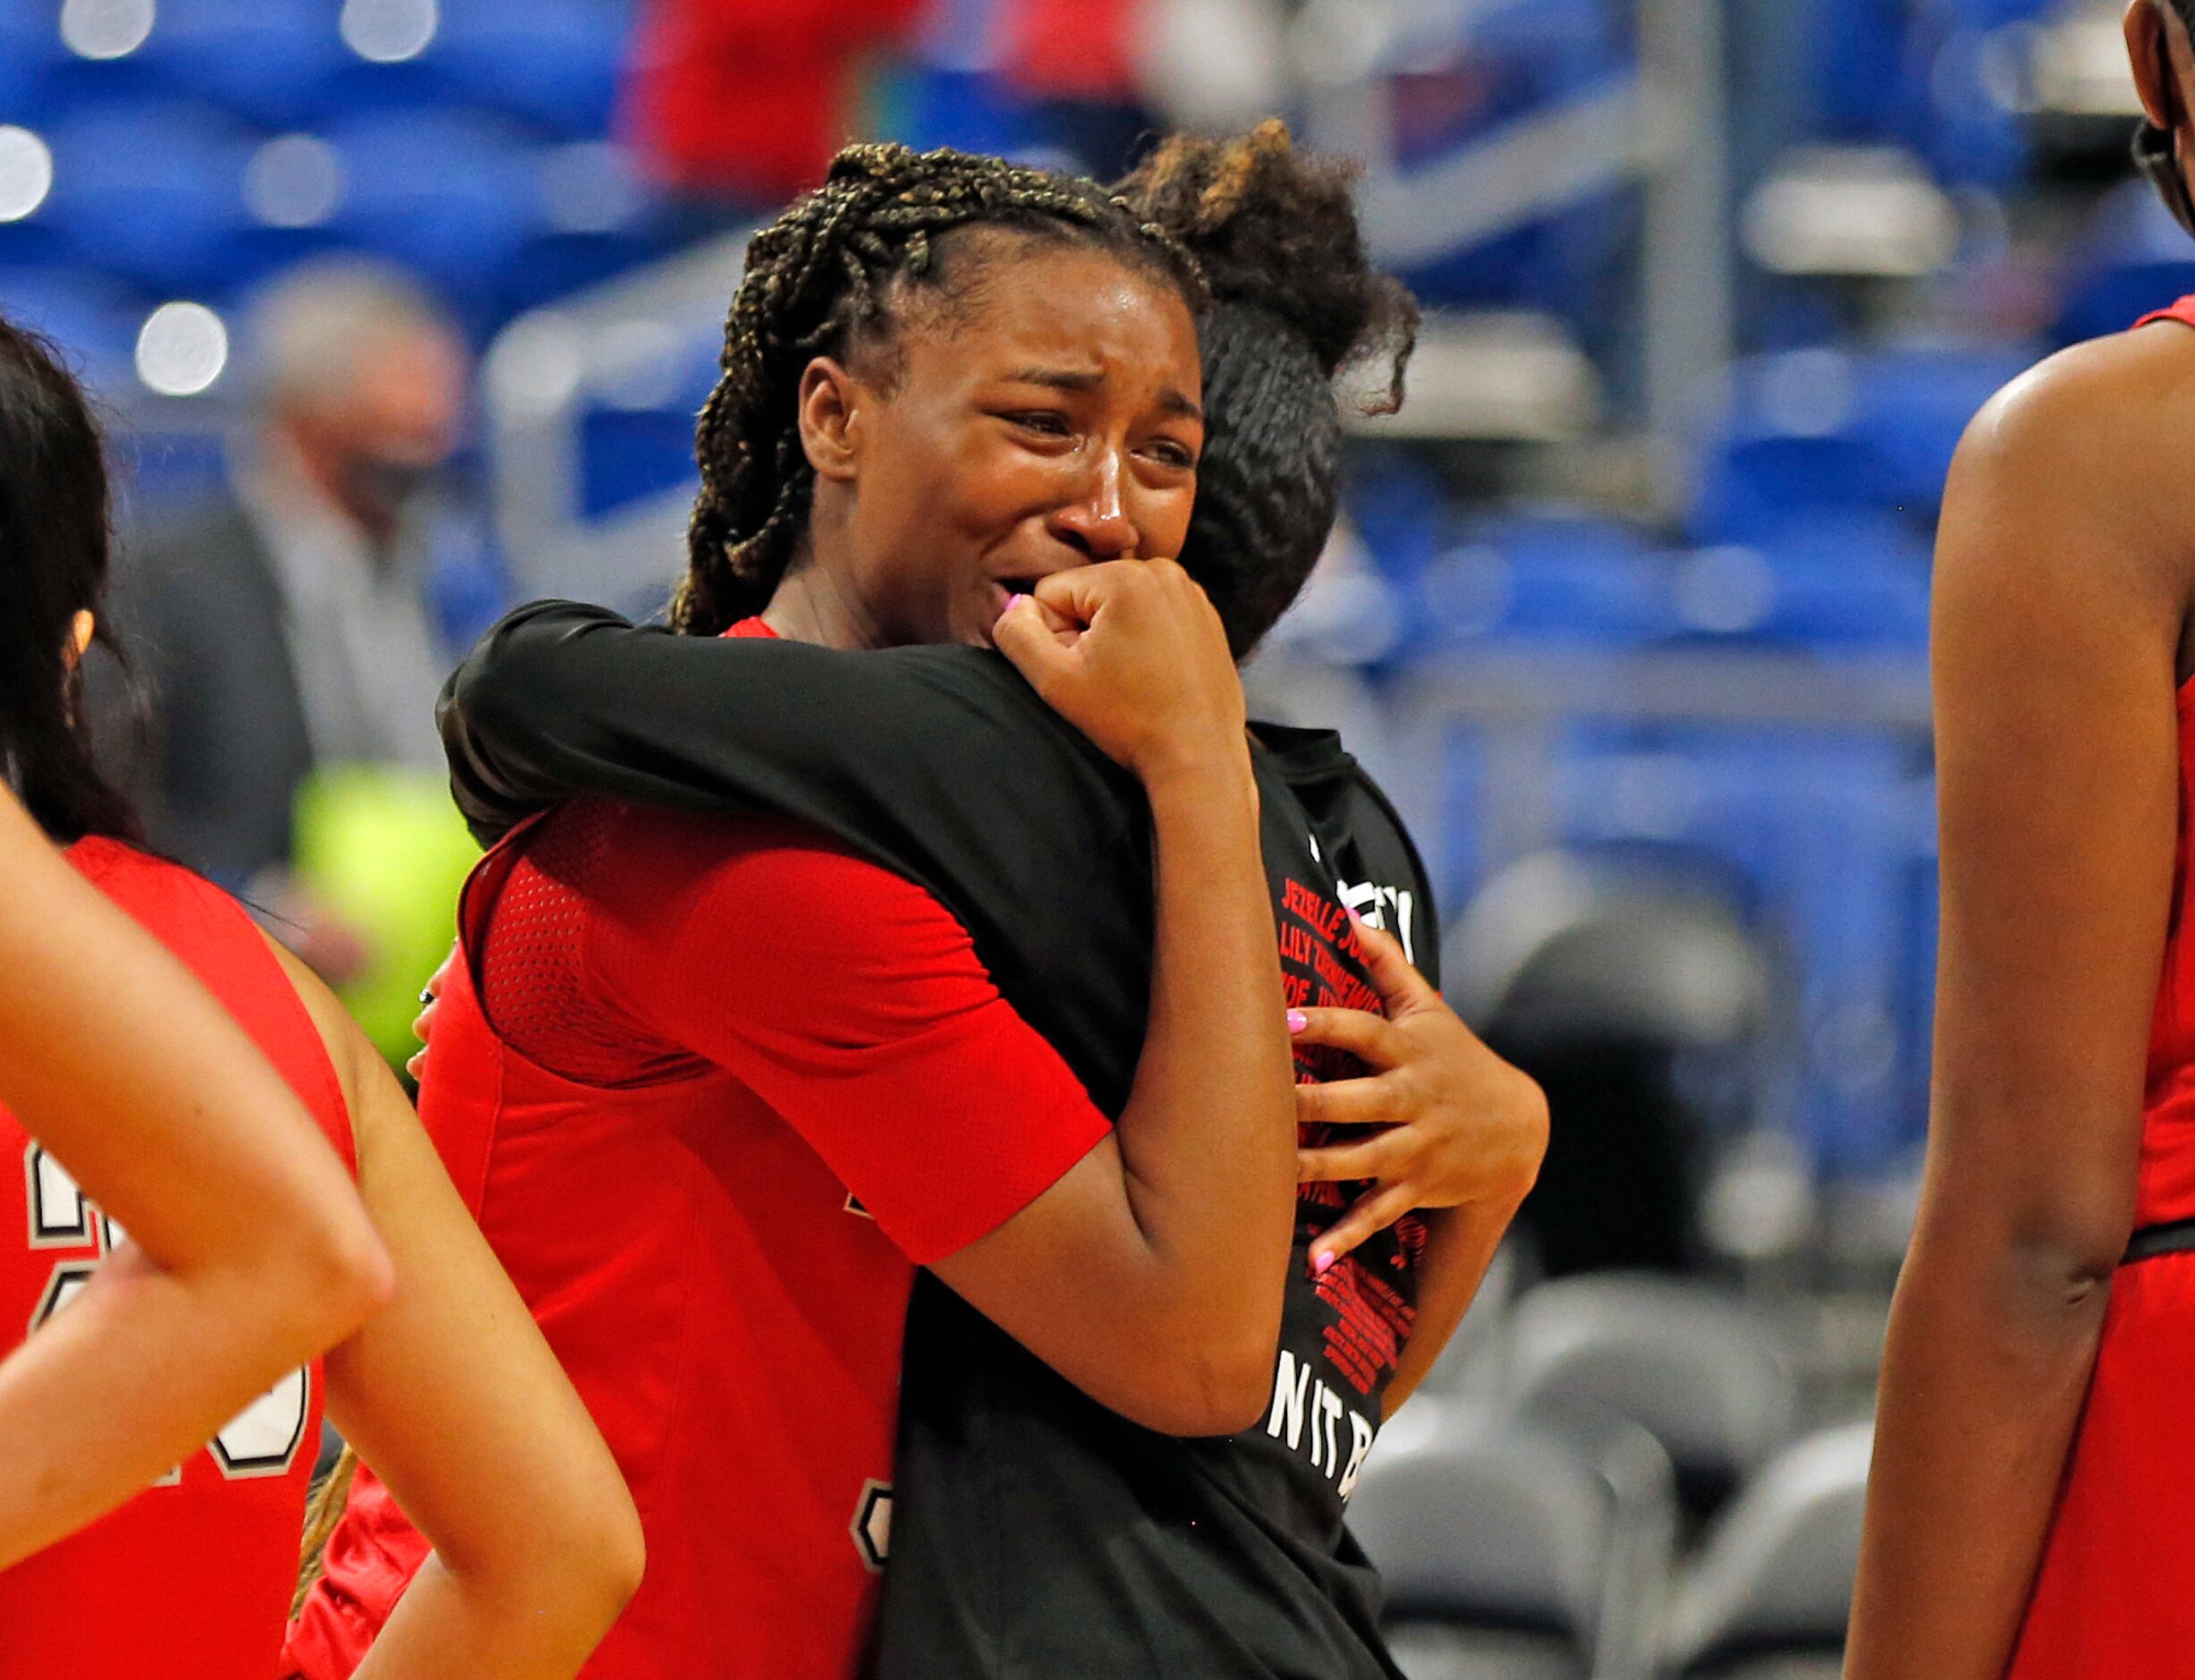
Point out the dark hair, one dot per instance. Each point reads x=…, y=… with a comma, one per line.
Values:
x=56, y=549
x=1295, y=302
x=831, y=277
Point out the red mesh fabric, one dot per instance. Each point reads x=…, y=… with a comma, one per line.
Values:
x=533, y=970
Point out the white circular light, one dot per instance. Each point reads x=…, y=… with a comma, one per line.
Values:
x=181, y=349
x=389, y=31
x=536, y=366
x=293, y=180
x=106, y=29
x=26, y=173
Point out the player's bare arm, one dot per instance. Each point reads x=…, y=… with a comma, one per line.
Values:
x=1450, y=1130
x=1151, y=1276
x=2063, y=582
x=454, y=1399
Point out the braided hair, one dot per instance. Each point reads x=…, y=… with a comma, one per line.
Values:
x=832, y=277
x=1295, y=302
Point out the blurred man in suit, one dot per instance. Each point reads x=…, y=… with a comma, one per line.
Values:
x=284, y=627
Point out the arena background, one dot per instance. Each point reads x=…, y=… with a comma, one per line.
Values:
x=1629, y=610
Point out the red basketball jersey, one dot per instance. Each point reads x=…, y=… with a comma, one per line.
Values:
x=191, y=1579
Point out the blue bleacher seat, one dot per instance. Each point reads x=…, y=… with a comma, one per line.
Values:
x=93, y=319
x=29, y=42
x=640, y=443
x=599, y=215
x=1822, y=825
x=2133, y=259
x=265, y=60
x=1787, y=449
x=556, y=65
x=1825, y=429
x=1913, y=403
x=450, y=193
x=1844, y=579
x=1547, y=578
x=150, y=191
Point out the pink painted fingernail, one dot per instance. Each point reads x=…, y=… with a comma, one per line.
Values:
x=1014, y=600
x=1298, y=1021
x=1322, y=1264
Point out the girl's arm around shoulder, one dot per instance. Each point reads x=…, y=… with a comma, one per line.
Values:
x=457, y=1403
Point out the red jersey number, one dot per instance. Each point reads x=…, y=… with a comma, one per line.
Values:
x=265, y=1437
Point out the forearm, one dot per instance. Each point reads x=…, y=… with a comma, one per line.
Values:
x=447, y=1624
x=1987, y=1361
x=1207, y=1137
x=1460, y=1245
x=156, y=1102
x=137, y=1373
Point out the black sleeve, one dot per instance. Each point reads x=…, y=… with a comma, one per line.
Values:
x=938, y=763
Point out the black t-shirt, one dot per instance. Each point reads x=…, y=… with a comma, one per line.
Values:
x=1035, y=1533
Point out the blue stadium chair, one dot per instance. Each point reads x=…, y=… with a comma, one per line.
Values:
x=2133, y=259
x=1544, y=577
x=1398, y=505
x=556, y=65
x=1913, y=403
x=1789, y=448
x=451, y=195
x=632, y=449
x=1950, y=95
x=150, y=191
x=600, y=217
x=91, y=318
x=1844, y=580
x=1822, y=825
x=265, y=60
x=30, y=43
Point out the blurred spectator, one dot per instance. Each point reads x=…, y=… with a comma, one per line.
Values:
x=745, y=100
x=284, y=627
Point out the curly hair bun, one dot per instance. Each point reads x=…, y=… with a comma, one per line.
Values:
x=1275, y=228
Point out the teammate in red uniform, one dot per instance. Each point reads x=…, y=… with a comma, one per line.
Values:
x=2032, y=1507
x=250, y=1254
x=449, y=1386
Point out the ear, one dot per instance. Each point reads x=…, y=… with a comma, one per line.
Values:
x=2148, y=57
x=81, y=633
x=834, y=419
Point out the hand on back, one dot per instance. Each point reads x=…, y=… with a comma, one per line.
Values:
x=1452, y=1123
x=1132, y=654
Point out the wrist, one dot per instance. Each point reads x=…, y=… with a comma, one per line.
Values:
x=1202, y=770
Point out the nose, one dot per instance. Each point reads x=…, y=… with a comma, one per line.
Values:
x=1095, y=521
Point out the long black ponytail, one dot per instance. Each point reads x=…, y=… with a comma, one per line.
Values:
x=56, y=551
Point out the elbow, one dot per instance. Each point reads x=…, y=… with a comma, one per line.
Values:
x=565, y=1582
x=2068, y=1265
x=614, y=1557
x=339, y=1275
x=2050, y=1269
x=1210, y=1383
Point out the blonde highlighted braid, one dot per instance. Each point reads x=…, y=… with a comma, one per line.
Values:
x=826, y=278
